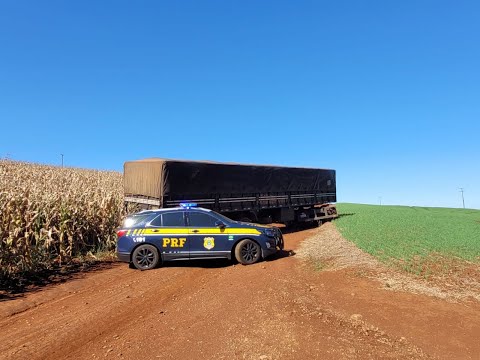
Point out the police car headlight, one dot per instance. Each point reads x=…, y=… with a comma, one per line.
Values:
x=269, y=232
x=128, y=222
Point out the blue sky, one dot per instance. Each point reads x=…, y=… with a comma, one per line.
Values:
x=387, y=93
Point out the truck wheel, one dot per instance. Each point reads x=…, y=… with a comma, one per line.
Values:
x=247, y=252
x=145, y=257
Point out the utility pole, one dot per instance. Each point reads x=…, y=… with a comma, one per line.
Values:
x=62, y=159
x=380, y=200
x=463, y=199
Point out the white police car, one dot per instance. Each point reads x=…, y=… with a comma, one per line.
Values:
x=151, y=237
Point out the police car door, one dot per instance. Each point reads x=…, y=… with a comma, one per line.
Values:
x=205, y=238
x=171, y=235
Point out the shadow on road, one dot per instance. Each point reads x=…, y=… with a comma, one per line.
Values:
x=19, y=288
x=346, y=214
x=34, y=282
x=221, y=263
x=280, y=255
x=207, y=264
x=297, y=228
x=31, y=283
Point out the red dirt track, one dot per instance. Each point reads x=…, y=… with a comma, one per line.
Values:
x=276, y=309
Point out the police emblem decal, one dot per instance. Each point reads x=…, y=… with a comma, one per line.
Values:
x=209, y=243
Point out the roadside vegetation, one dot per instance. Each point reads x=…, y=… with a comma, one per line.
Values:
x=417, y=239
x=52, y=216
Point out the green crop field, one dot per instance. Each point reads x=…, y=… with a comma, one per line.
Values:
x=411, y=235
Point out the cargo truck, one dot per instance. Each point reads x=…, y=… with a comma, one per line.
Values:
x=249, y=193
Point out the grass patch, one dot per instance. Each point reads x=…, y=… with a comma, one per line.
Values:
x=417, y=239
x=318, y=265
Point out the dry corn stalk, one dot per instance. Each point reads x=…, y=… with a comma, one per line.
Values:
x=50, y=214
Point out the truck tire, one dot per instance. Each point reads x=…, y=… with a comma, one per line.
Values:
x=145, y=257
x=248, y=252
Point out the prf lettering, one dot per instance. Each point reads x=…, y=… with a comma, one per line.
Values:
x=174, y=242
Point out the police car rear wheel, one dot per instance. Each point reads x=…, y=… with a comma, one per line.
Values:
x=145, y=257
x=247, y=252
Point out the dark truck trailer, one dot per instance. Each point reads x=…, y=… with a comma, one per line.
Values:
x=255, y=193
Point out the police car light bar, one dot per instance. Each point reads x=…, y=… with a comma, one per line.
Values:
x=188, y=205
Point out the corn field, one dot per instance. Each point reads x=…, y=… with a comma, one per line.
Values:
x=49, y=215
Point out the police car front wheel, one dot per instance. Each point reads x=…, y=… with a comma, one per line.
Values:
x=145, y=257
x=247, y=252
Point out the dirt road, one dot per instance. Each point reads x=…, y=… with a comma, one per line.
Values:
x=278, y=309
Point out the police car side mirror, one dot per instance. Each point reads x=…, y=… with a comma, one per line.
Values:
x=220, y=224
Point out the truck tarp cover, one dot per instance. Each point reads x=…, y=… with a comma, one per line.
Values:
x=176, y=179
